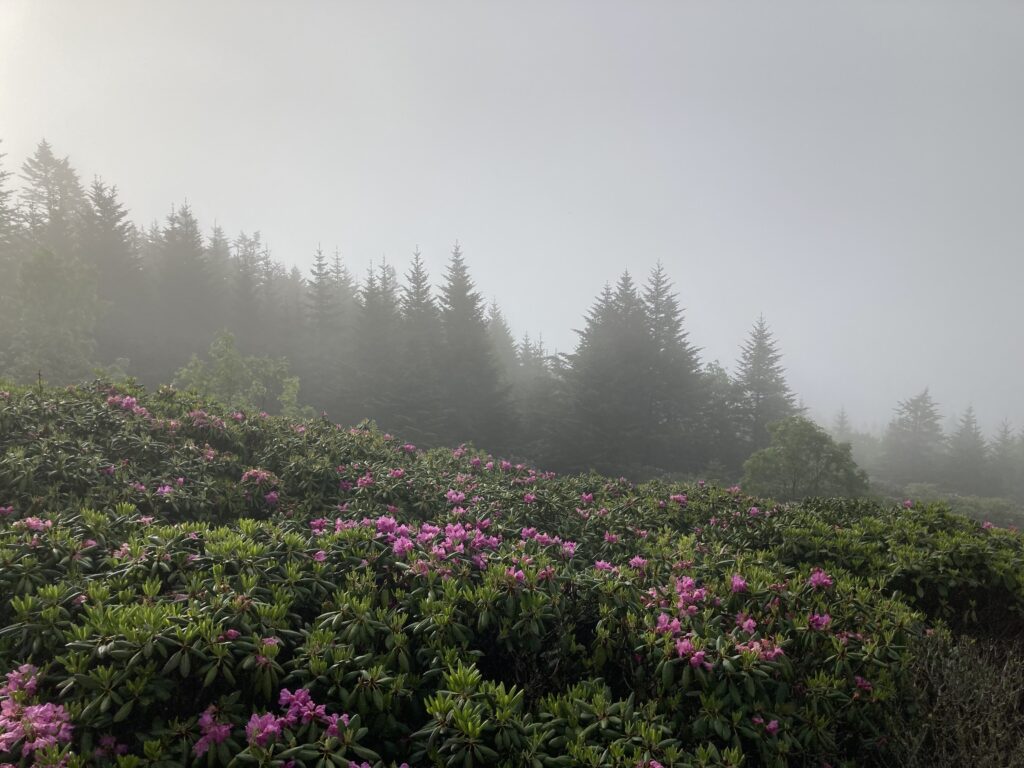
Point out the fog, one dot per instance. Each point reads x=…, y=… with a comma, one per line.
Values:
x=852, y=171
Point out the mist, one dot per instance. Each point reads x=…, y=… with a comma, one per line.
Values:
x=848, y=173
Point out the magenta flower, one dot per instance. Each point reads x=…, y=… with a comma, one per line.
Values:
x=819, y=621
x=402, y=546
x=262, y=729
x=396, y=473
x=739, y=584
x=638, y=563
x=819, y=579
x=610, y=537
x=603, y=565
x=772, y=727
x=320, y=556
x=529, y=498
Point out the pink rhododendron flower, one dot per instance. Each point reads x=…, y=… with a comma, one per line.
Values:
x=819, y=579
x=739, y=584
x=262, y=729
x=819, y=621
x=320, y=556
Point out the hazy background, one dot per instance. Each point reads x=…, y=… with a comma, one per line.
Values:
x=851, y=170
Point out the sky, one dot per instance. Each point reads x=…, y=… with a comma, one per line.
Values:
x=850, y=170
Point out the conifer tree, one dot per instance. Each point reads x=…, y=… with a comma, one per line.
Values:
x=677, y=391
x=376, y=346
x=721, y=448
x=321, y=356
x=53, y=200
x=841, y=429
x=419, y=400
x=967, y=457
x=609, y=385
x=476, y=405
x=8, y=260
x=1006, y=463
x=182, y=297
x=764, y=396
x=914, y=443
x=108, y=247
x=503, y=344
x=56, y=311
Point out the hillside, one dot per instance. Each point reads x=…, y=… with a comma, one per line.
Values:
x=183, y=584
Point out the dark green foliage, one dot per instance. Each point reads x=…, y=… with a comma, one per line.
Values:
x=476, y=403
x=802, y=460
x=301, y=555
x=763, y=394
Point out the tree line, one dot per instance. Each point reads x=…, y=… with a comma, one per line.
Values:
x=82, y=287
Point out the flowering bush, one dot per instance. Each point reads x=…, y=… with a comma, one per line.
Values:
x=181, y=586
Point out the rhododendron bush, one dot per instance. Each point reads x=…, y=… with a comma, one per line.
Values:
x=181, y=584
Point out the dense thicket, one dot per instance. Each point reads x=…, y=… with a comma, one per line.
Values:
x=190, y=584
x=82, y=287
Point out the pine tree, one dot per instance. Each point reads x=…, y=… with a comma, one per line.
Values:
x=56, y=312
x=841, y=429
x=610, y=387
x=476, y=405
x=914, y=443
x=53, y=200
x=9, y=262
x=419, y=400
x=967, y=459
x=764, y=395
x=377, y=346
x=677, y=392
x=184, y=302
x=503, y=344
x=1006, y=463
x=721, y=448
x=108, y=247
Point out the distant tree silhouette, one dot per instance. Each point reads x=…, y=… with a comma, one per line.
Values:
x=764, y=396
x=108, y=247
x=914, y=443
x=476, y=403
x=420, y=397
x=967, y=457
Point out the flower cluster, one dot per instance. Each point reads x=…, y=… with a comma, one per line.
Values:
x=33, y=725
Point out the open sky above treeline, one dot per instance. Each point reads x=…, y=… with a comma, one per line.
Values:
x=851, y=171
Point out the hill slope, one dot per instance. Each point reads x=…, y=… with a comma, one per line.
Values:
x=183, y=583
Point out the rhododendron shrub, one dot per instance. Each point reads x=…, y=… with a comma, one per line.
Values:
x=182, y=584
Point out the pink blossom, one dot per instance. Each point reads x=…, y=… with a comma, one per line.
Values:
x=819, y=620
x=820, y=579
x=610, y=537
x=396, y=473
x=262, y=729
x=638, y=563
x=402, y=546
x=320, y=556
x=772, y=727
x=271, y=498
x=529, y=498
x=569, y=548
x=908, y=504
x=603, y=565
x=678, y=498
x=739, y=584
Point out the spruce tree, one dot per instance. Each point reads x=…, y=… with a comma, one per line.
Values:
x=503, y=344
x=914, y=443
x=476, y=405
x=1006, y=463
x=676, y=389
x=53, y=200
x=184, y=302
x=377, y=331
x=56, y=312
x=419, y=399
x=108, y=247
x=764, y=396
x=610, y=386
x=321, y=355
x=841, y=429
x=967, y=458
